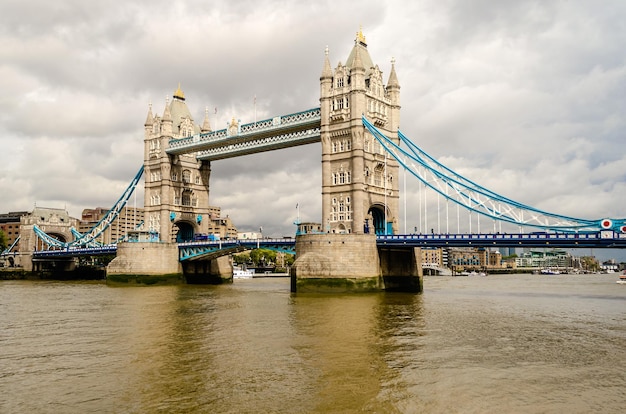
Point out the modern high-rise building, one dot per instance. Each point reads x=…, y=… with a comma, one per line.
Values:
x=129, y=219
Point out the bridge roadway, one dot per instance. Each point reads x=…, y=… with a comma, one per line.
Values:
x=187, y=251
x=279, y=132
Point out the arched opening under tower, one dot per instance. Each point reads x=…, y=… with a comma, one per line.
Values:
x=377, y=212
x=60, y=237
x=185, y=232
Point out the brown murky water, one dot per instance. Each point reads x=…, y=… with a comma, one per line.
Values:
x=500, y=344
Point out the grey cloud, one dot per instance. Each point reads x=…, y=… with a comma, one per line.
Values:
x=527, y=97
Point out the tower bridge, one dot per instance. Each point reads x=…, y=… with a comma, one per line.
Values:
x=359, y=180
x=362, y=151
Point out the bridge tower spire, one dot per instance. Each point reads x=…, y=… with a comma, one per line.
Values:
x=360, y=191
x=176, y=198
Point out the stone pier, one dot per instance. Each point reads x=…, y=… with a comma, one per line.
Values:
x=141, y=262
x=210, y=271
x=352, y=263
x=151, y=263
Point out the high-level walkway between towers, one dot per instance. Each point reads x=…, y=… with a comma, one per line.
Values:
x=271, y=134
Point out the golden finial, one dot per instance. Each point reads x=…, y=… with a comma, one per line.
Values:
x=179, y=93
x=359, y=35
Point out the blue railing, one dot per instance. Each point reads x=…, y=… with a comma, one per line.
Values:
x=601, y=239
x=76, y=251
x=188, y=250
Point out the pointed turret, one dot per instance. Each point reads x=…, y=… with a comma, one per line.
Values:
x=393, y=78
x=357, y=63
x=360, y=49
x=150, y=117
x=357, y=68
x=326, y=85
x=206, y=125
x=393, y=92
x=393, y=89
x=327, y=72
x=166, y=120
x=167, y=113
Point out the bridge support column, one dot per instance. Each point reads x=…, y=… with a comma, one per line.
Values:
x=352, y=263
x=25, y=261
x=147, y=263
x=215, y=271
x=401, y=269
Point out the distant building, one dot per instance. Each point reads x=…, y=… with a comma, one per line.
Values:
x=433, y=256
x=249, y=235
x=460, y=259
x=130, y=219
x=222, y=226
x=308, y=228
x=551, y=258
x=494, y=259
x=508, y=251
x=10, y=225
x=474, y=258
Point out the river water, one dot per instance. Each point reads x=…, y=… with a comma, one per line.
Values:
x=496, y=344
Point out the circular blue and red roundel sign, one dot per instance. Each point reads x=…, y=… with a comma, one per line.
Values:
x=606, y=224
x=623, y=229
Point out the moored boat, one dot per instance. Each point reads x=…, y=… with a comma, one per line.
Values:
x=243, y=274
x=622, y=279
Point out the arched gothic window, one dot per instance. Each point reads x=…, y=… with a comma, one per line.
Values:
x=187, y=198
x=186, y=176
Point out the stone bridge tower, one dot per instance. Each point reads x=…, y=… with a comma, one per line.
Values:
x=176, y=199
x=55, y=222
x=360, y=191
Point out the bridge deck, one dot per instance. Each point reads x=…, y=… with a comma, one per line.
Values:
x=604, y=239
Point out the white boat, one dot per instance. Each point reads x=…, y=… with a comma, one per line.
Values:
x=243, y=274
x=550, y=272
x=622, y=279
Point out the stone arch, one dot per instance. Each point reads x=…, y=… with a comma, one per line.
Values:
x=377, y=223
x=187, y=198
x=184, y=231
x=59, y=236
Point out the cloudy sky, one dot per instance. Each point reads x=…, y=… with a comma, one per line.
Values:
x=527, y=98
